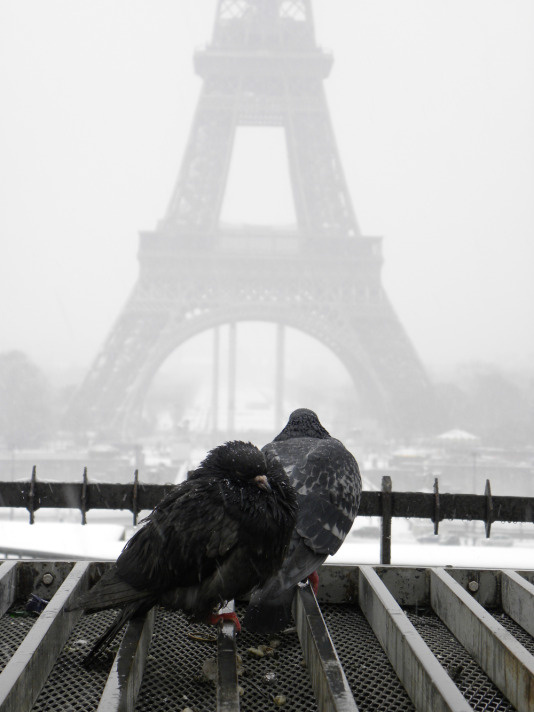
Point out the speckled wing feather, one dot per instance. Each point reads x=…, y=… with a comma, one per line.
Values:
x=328, y=485
x=327, y=481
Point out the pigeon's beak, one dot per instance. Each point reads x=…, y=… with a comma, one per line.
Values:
x=263, y=483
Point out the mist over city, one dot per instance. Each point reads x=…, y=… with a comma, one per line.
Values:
x=191, y=251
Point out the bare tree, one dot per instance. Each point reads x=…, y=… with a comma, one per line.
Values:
x=25, y=402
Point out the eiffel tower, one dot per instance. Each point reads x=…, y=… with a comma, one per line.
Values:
x=262, y=68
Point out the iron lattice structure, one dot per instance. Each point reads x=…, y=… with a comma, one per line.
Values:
x=262, y=68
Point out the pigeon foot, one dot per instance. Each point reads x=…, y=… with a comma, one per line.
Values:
x=313, y=578
x=216, y=618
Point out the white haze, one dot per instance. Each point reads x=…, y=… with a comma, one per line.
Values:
x=433, y=107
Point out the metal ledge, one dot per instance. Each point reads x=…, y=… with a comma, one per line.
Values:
x=48, y=658
x=427, y=683
x=126, y=675
x=330, y=685
x=26, y=672
x=518, y=599
x=501, y=656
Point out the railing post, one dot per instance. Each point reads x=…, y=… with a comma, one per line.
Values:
x=385, y=539
x=437, y=514
x=489, y=509
x=84, y=496
x=31, y=497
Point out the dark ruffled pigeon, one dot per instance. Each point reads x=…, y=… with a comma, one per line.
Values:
x=328, y=485
x=213, y=538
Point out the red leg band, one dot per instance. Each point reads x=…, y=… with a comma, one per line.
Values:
x=313, y=578
x=215, y=618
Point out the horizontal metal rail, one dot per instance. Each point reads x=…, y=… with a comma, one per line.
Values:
x=386, y=504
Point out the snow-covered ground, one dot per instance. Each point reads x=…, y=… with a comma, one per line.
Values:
x=518, y=556
x=104, y=541
x=99, y=542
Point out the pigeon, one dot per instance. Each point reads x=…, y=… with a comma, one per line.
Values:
x=328, y=485
x=217, y=535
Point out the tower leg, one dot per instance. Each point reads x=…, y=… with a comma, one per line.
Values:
x=215, y=381
x=232, y=342
x=280, y=375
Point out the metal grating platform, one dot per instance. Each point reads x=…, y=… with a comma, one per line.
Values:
x=372, y=680
x=473, y=683
x=381, y=639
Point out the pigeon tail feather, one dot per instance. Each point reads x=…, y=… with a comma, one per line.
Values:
x=109, y=592
x=270, y=607
x=270, y=616
x=113, y=629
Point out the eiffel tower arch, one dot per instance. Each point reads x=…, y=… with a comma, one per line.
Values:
x=323, y=277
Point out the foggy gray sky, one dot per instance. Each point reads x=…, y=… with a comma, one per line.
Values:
x=433, y=107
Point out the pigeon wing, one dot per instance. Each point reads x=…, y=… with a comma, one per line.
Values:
x=183, y=539
x=328, y=485
x=181, y=543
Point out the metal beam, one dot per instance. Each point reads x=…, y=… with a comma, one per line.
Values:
x=24, y=676
x=232, y=371
x=426, y=682
x=509, y=665
x=280, y=375
x=126, y=675
x=330, y=685
x=8, y=583
x=216, y=356
x=227, y=687
x=518, y=599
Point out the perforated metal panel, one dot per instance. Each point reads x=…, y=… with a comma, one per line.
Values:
x=293, y=670
x=13, y=629
x=70, y=686
x=474, y=684
x=372, y=679
x=174, y=669
x=519, y=633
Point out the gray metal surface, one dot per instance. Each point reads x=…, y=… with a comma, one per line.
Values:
x=329, y=682
x=426, y=681
x=518, y=599
x=332, y=661
x=28, y=669
x=126, y=675
x=509, y=665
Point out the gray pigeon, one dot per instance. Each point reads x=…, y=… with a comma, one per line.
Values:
x=327, y=480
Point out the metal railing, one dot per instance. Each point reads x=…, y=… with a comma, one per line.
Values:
x=385, y=504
